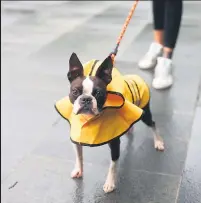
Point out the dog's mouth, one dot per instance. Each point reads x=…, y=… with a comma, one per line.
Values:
x=86, y=110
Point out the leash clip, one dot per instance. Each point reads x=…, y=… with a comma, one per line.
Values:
x=114, y=52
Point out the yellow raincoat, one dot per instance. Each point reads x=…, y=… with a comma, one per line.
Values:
x=126, y=97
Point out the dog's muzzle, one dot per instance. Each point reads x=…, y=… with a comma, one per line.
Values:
x=86, y=105
x=85, y=101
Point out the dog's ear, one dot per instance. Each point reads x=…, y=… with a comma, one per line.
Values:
x=104, y=71
x=75, y=68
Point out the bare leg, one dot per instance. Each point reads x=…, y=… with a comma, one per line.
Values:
x=167, y=52
x=109, y=185
x=172, y=21
x=78, y=170
x=156, y=48
x=158, y=36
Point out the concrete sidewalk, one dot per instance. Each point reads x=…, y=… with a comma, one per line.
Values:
x=37, y=156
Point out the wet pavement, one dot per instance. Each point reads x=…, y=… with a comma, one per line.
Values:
x=37, y=156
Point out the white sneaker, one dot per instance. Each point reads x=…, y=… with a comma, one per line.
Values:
x=163, y=73
x=150, y=59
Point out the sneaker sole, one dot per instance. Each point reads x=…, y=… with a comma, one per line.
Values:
x=147, y=68
x=162, y=87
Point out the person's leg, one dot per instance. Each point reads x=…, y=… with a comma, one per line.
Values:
x=155, y=49
x=167, y=16
x=173, y=13
x=158, y=8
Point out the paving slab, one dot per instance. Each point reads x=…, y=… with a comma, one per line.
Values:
x=27, y=94
x=49, y=181
x=37, y=153
x=106, y=31
x=190, y=189
x=45, y=24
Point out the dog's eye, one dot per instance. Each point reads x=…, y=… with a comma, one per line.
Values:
x=75, y=92
x=98, y=93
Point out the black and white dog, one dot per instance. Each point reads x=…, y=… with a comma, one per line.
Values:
x=88, y=95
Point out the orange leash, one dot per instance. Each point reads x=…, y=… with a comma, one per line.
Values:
x=114, y=53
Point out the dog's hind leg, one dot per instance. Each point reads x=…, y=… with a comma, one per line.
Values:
x=78, y=170
x=147, y=119
x=110, y=182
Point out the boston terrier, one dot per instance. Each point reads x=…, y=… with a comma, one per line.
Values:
x=88, y=95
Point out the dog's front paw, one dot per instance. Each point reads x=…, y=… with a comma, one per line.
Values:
x=109, y=186
x=76, y=173
x=159, y=145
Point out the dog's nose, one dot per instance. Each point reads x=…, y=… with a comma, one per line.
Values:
x=86, y=100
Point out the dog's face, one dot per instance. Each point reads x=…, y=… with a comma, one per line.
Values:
x=88, y=94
